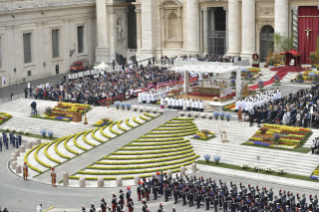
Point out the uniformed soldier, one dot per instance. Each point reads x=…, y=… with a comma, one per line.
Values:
x=20, y=139
x=128, y=195
x=25, y=171
x=0, y=144
x=121, y=199
x=103, y=205
x=139, y=191
x=144, y=207
x=114, y=202
x=155, y=189
x=161, y=209
x=83, y=208
x=130, y=205
x=92, y=209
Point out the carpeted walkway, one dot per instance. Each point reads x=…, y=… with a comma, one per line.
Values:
x=281, y=73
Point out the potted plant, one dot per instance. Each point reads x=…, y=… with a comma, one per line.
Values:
x=123, y=106
x=276, y=138
x=155, y=110
x=50, y=134
x=128, y=106
x=216, y=114
x=43, y=133
x=117, y=105
x=195, y=115
x=189, y=114
x=255, y=167
x=280, y=171
x=48, y=111
x=181, y=113
x=207, y=157
x=26, y=132
x=216, y=159
x=261, y=86
x=263, y=130
x=222, y=115
x=244, y=165
x=141, y=109
x=233, y=83
x=312, y=58
x=268, y=169
x=210, y=116
x=203, y=115
x=228, y=116
x=135, y=108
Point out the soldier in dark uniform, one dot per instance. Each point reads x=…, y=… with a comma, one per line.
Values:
x=199, y=198
x=121, y=199
x=92, y=209
x=302, y=201
x=139, y=191
x=161, y=209
x=114, y=203
x=147, y=192
x=83, y=208
x=130, y=205
x=166, y=193
x=184, y=196
x=155, y=189
x=270, y=195
x=128, y=195
x=173, y=209
x=191, y=198
x=207, y=198
x=103, y=205
x=20, y=139
x=216, y=202
x=175, y=192
x=0, y=144
x=144, y=207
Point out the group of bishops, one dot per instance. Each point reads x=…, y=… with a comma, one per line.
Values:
x=185, y=104
x=15, y=140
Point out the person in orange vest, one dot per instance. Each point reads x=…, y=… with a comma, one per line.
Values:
x=25, y=171
x=53, y=178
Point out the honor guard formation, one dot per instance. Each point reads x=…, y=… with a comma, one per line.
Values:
x=194, y=192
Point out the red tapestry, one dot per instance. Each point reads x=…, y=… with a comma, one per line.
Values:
x=305, y=46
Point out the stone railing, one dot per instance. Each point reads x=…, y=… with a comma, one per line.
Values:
x=6, y=5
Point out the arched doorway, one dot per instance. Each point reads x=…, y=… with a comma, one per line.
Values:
x=266, y=41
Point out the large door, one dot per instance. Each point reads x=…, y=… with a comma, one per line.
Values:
x=266, y=41
x=217, y=42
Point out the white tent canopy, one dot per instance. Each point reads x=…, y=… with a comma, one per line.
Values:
x=102, y=66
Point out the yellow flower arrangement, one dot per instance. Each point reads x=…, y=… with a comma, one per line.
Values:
x=255, y=139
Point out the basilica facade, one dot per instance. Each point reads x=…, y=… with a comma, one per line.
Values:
x=41, y=38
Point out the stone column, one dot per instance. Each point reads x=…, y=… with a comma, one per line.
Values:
x=113, y=34
x=234, y=28
x=248, y=29
x=147, y=29
x=281, y=17
x=10, y=54
x=192, y=27
x=102, y=49
x=205, y=30
x=238, y=83
x=294, y=11
x=138, y=29
x=19, y=60
x=227, y=30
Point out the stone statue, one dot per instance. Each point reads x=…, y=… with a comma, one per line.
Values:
x=119, y=29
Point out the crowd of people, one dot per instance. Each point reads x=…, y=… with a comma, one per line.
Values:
x=296, y=109
x=111, y=86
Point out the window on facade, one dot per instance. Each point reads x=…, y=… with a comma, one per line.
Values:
x=27, y=48
x=29, y=73
x=80, y=39
x=55, y=43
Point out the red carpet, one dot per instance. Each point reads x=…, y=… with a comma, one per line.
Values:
x=281, y=73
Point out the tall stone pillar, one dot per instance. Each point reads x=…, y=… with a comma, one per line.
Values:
x=138, y=29
x=294, y=11
x=113, y=34
x=147, y=29
x=67, y=45
x=227, y=30
x=248, y=29
x=281, y=17
x=234, y=28
x=205, y=30
x=10, y=63
x=102, y=49
x=40, y=42
x=212, y=28
x=192, y=27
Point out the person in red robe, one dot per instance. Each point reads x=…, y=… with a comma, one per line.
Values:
x=53, y=178
x=25, y=171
